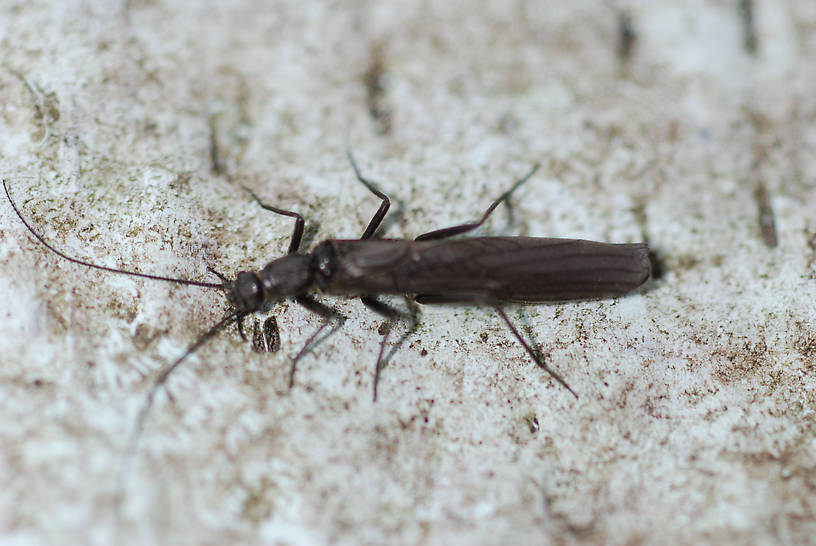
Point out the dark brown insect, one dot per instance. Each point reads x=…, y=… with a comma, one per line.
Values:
x=433, y=268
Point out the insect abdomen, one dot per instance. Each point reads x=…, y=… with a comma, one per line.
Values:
x=528, y=269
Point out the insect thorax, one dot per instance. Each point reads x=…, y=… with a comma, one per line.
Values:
x=324, y=263
x=288, y=276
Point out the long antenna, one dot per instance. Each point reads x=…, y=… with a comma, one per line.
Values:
x=161, y=379
x=101, y=267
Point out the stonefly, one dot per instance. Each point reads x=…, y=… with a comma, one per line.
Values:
x=433, y=268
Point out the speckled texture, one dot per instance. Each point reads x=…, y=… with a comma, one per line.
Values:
x=127, y=130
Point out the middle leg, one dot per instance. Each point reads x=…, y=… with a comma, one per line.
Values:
x=392, y=316
x=384, y=206
x=327, y=314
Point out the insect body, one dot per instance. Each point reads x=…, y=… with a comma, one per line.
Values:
x=433, y=268
x=436, y=269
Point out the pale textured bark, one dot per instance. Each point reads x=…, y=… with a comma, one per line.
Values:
x=127, y=131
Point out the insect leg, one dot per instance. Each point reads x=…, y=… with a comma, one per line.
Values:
x=464, y=228
x=297, y=234
x=327, y=313
x=369, y=301
x=475, y=297
x=530, y=351
x=384, y=206
x=392, y=316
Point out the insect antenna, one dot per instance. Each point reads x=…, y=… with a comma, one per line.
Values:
x=101, y=267
x=232, y=316
x=161, y=379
